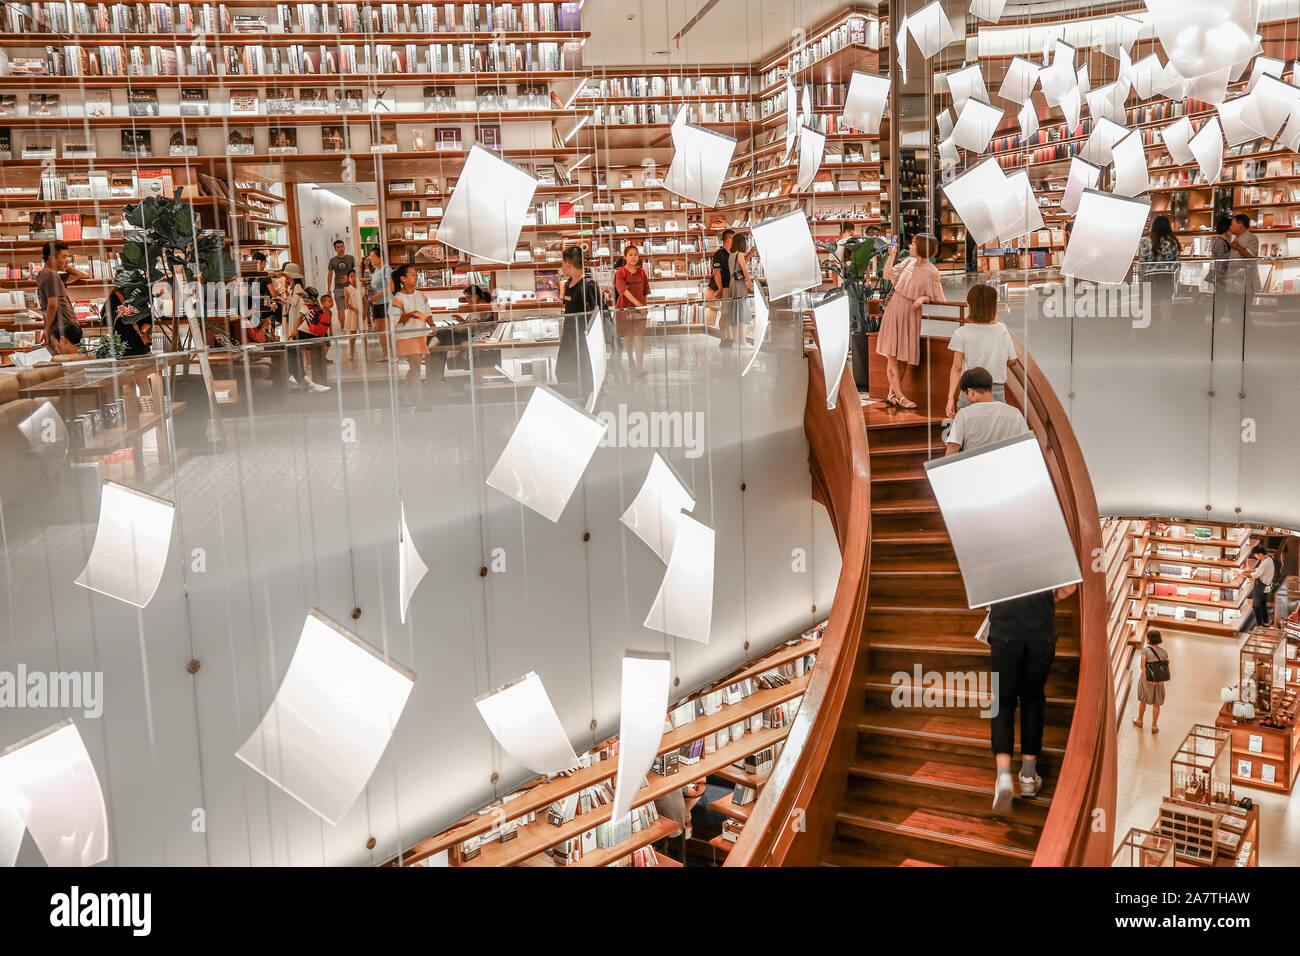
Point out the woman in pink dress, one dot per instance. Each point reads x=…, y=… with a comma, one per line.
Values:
x=916, y=282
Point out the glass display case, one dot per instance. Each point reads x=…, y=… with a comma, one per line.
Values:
x=1144, y=848
x=1200, y=771
x=1263, y=669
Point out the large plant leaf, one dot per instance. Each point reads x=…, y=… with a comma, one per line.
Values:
x=134, y=257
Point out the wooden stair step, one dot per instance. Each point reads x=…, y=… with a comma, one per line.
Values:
x=906, y=506
x=1067, y=645
x=967, y=837
x=881, y=449
x=947, y=730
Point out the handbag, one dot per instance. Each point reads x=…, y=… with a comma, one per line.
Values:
x=1157, y=669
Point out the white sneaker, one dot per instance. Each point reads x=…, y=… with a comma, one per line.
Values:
x=1003, y=793
x=317, y=387
x=293, y=382
x=1029, y=786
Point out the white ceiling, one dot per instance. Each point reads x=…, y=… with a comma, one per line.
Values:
x=733, y=31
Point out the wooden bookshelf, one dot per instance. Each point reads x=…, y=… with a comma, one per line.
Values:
x=534, y=838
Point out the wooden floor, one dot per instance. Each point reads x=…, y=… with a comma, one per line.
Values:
x=919, y=788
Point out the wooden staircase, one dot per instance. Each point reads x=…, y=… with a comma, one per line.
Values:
x=862, y=782
x=919, y=788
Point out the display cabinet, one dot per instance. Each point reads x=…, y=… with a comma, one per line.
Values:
x=1144, y=848
x=1200, y=772
x=1263, y=670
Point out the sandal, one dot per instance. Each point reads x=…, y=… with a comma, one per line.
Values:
x=906, y=404
x=1155, y=730
x=889, y=400
x=1137, y=724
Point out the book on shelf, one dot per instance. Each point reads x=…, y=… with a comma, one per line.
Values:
x=420, y=141
x=333, y=139
x=38, y=144
x=8, y=104
x=183, y=143
x=98, y=103
x=79, y=146
x=439, y=99
x=282, y=140
x=279, y=101
x=447, y=139
x=546, y=285
x=488, y=135
x=43, y=104
x=239, y=142
x=194, y=102
x=6, y=143
x=382, y=100
x=349, y=101
x=142, y=102
x=386, y=138
x=243, y=102
x=313, y=99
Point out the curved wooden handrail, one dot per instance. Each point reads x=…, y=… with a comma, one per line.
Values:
x=1079, y=830
x=841, y=470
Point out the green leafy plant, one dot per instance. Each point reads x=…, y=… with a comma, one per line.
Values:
x=109, y=345
x=855, y=280
x=167, y=244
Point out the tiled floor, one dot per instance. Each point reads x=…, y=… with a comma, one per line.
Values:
x=1201, y=666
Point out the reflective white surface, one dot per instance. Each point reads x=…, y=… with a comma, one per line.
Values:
x=1107, y=232
x=1105, y=134
x=1207, y=148
x=700, y=160
x=684, y=605
x=975, y=125
x=523, y=720
x=864, y=103
x=930, y=28
x=547, y=453
x=832, y=321
x=131, y=545
x=1176, y=136
x=1021, y=78
x=411, y=568
x=1130, y=159
x=1083, y=175
x=487, y=208
x=49, y=781
x=761, y=320
x=643, y=702
x=967, y=84
x=654, y=513
x=330, y=720
x=1004, y=519
x=812, y=145
x=785, y=247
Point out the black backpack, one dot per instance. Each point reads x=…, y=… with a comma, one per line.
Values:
x=1157, y=669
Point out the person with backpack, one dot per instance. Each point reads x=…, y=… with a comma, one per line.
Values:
x=719, y=275
x=1152, y=680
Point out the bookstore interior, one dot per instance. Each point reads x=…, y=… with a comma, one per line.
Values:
x=297, y=301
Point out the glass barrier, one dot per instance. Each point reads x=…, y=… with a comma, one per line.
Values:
x=1181, y=393
x=291, y=469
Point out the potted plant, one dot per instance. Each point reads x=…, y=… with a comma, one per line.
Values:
x=861, y=284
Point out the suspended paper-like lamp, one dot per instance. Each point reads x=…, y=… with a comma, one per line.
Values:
x=1269, y=106
x=831, y=317
x=945, y=122
x=487, y=208
x=948, y=156
x=785, y=247
x=596, y=356
x=684, y=605
x=966, y=84
x=523, y=720
x=1082, y=80
x=1108, y=102
x=791, y=118
x=1175, y=137
x=1025, y=216
x=1235, y=130
x=1148, y=72
x=1028, y=117
x=1265, y=66
x=1130, y=160
x=1005, y=521
x=48, y=786
x=1202, y=36
x=129, y=555
x=331, y=719
x=1059, y=78
x=761, y=320
x=1083, y=175
x=653, y=514
x=806, y=106
x=978, y=196
x=1207, y=148
x=900, y=42
x=864, y=103
x=1018, y=84
x=975, y=126
x=930, y=29
x=988, y=10
x=1115, y=35
x=1103, y=138
x=701, y=158
x=411, y=568
x=1239, y=67
x=1071, y=104
x=812, y=146
x=547, y=453
x=643, y=701
x=1211, y=87
x=1104, y=240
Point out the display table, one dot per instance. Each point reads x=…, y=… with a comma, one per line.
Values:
x=1208, y=835
x=1267, y=753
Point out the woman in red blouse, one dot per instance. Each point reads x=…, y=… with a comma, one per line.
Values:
x=633, y=287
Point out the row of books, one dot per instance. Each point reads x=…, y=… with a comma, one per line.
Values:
x=1161, y=589
x=1204, y=615
x=855, y=30
x=674, y=84
x=83, y=18
x=664, y=113
x=604, y=835
x=98, y=269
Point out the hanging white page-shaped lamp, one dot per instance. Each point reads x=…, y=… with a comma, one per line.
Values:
x=523, y=721
x=643, y=701
x=1104, y=240
x=654, y=513
x=488, y=207
x=683, y=607
x=132, y=540
x=831, y=319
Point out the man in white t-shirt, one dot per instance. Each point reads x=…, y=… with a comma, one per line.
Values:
x=985, y=420
x=1263, y=572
